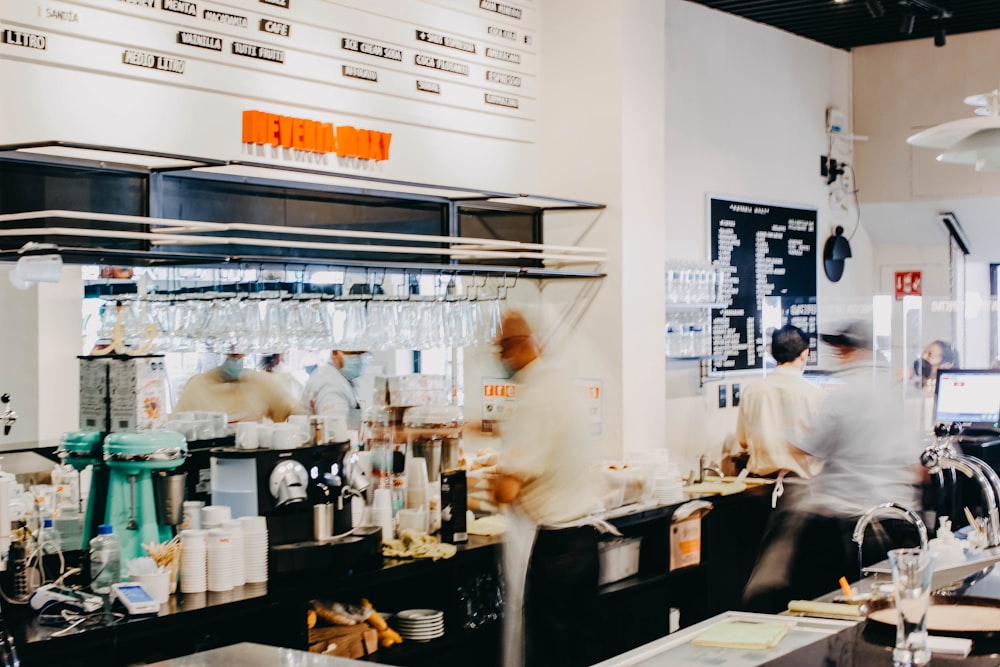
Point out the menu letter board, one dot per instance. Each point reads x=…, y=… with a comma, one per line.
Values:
x=765, y=251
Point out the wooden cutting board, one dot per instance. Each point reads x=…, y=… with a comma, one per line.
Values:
x=955, y=618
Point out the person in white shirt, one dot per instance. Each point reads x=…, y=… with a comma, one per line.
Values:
x=778, y=411
x=243, y=394
x=545, y=477
x=331, y=389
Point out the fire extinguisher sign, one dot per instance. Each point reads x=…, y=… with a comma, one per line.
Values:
x=908, y=283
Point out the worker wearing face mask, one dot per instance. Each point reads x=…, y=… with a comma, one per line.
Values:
x=243, y=394
x=332, y=388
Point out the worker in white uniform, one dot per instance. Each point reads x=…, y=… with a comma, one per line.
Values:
x=332, y=388
x=546, y=479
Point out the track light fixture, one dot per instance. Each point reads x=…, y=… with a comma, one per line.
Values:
x=875, y=8
x=940, y=34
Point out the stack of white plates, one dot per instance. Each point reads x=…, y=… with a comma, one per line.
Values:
x=419, y=624
x=254, y=549
x=668, y=491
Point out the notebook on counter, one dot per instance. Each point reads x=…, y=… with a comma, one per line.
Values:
x=743, y=635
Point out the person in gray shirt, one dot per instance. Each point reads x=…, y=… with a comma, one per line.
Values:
x=870, y=456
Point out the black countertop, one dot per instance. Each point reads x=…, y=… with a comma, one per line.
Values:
x=271, y=612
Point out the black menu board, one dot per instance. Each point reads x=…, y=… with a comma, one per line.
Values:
x=765, y=250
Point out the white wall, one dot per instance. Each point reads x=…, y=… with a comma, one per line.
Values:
x=40, y=340
x=745, y=116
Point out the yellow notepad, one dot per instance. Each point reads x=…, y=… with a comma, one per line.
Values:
x=743, y=634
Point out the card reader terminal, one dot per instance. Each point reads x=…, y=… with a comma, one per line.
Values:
x=135, y=598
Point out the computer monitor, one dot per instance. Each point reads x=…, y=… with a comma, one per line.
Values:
x=969, y=397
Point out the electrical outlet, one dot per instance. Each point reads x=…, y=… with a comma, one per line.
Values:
x=736, y=394
x=722, y=395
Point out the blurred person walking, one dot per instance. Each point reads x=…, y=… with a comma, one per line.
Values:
x=546, y=479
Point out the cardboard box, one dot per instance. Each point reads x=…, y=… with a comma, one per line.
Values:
x=138, y=393
x=685, y=540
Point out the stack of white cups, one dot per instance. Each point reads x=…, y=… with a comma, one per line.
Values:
x=213, y=516
x=192, y=514
x=418, y=489
x=220, y=560
x=194, y=572
x=235, y=528
x=382, y=512
x=254, y=548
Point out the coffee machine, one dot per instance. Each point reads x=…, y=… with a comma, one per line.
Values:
x=284, y=485
x=132, y=458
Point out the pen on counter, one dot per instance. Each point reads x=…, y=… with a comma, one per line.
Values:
x=844, y=586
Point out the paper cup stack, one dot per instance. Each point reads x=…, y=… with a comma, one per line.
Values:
x=254, y=548
x=420, y=625
x=194, y=571
x=220, y=560
x=213, y=516
x=235, y=528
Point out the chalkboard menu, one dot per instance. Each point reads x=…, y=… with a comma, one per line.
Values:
x=765, y=251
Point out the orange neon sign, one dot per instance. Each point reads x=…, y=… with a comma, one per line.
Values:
x=313, y=136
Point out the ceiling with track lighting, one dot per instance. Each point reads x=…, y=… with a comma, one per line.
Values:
x=846, y=24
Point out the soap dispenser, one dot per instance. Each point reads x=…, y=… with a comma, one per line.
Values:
x=946, y=546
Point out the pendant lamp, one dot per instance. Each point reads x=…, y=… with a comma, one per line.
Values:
x=974, y=141
x=836, y=249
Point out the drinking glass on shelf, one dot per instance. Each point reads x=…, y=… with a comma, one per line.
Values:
x=408, y=319
x=382, y=325
x=355, y=326
x=431, y=332
x=491, y=318
x=273, y=327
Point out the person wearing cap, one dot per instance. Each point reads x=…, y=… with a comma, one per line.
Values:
x=544, y=479
x=243, y=394
x=332, y=388
x=870, y=456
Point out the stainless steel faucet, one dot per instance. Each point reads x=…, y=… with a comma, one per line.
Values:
x=8, y=416
x=704, y=467
x=895, y=509
x=944, y=456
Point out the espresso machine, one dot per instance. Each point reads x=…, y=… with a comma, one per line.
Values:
x=284, y=485
x=132, y=459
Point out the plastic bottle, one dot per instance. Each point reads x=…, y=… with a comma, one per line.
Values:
x=49, y=540
x=105, y=559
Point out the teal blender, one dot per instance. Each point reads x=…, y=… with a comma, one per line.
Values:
x=80, y=449
x=132, y=457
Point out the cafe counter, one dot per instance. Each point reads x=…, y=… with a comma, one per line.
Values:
x=467, y=587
